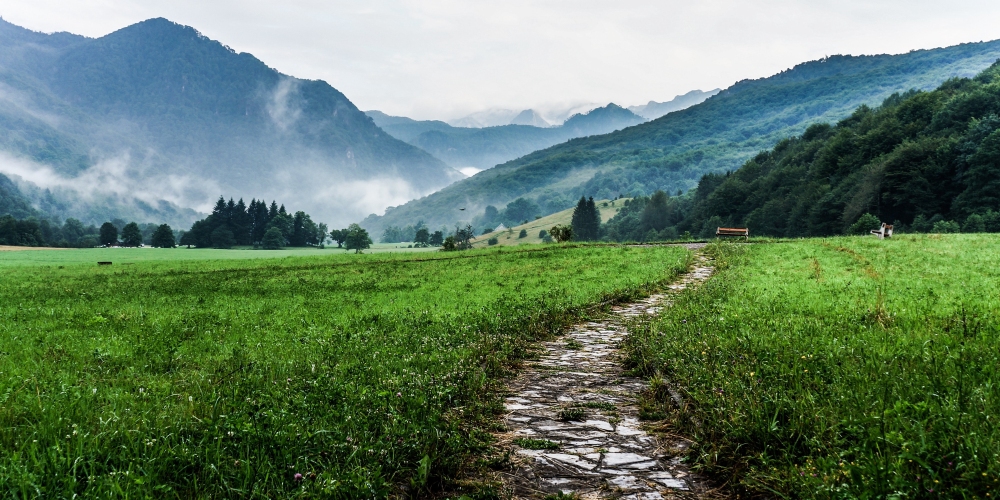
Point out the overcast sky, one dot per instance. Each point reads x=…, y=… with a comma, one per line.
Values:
x=445, y=58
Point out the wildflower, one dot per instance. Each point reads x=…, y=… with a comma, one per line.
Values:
x=298, y=477
x=751, y=374
x=399, y=394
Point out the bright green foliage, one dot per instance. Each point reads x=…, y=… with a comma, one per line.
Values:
x=839, y=368
x=536, y=444
x=357, y=238
x=865, y=224
x=224, y=379
x=163, y=237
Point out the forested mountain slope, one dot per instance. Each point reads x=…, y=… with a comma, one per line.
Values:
x=920, y=158
x=673, y=152
x=483, y=148
x=156, y=116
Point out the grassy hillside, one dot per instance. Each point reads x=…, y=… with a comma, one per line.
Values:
x=608, y=209
x=838, y=368
x=919, y=159
x=326, y=377
x=720, y=134
x=483, y=148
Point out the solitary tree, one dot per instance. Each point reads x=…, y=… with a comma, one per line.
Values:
x=463, y=237
x=109, y=234
x=357, y=238
x=131, y=235
x=586, y=220
x=339, y=235
x=422, y=237
x=163, y=237
x=561, y=233
x=523, y=234
x=437, y=239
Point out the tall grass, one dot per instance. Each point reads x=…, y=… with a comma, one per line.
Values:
x=339, y=377
x=840, y=368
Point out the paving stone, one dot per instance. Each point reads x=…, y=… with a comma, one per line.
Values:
x=598, y=457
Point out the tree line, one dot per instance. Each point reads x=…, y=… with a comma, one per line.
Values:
x=257, y=224
x=72, y=233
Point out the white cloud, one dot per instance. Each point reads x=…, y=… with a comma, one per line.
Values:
x=447, y=58
x=117, y=177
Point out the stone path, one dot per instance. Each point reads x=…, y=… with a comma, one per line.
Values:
x=576, y=402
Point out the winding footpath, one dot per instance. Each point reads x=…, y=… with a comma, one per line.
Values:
x=576, y=401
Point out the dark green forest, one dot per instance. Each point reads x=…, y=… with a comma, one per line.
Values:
x=922, y=161
x=238, y=224
x=718, y=135
x=925, y=161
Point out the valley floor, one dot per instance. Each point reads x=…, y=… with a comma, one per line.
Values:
x=814, y=368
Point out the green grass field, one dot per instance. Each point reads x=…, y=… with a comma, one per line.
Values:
x=313, y=376
x=838, y=368
x=62, y=257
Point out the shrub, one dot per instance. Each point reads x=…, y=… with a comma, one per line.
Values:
x=542, y=234
x=974, y=224
x=523, y=234
x=492, y=241
x=946, y=226
x=864, y=224
x=273, y=239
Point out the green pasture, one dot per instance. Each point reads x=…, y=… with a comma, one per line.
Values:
x=320, y=375
x=121, y=256
x=838, y=368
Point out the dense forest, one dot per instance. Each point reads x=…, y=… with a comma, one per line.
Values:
x=236, y=223
x=716, y=136
x=922, y=160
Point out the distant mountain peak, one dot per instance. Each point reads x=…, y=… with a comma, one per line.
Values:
x=653, y=110
x=530, y=117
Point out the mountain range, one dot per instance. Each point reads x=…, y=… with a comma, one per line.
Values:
x=483, y=148
x=653, y=110
x=155, y=118
x=673, y=152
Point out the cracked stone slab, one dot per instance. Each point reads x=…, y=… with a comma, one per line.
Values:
x=603, y=451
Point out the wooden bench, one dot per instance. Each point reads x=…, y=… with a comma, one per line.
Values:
x=884, y=232
x=741, y=232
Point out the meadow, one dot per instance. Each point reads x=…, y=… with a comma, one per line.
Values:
x=837, y=368
x=331, y=376
x=22, y=256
